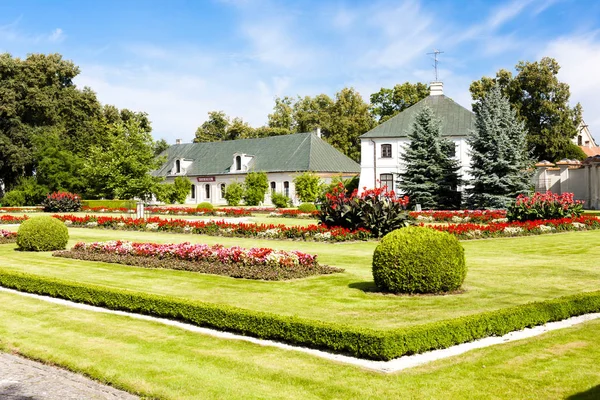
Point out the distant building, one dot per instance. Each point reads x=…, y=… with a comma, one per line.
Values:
x=381, y=147
x=211, y=166
x=585, y=141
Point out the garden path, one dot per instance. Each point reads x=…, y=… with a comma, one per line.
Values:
x=23, y=379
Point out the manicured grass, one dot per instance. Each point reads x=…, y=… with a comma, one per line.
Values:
x=501, y=273
x=169, y=363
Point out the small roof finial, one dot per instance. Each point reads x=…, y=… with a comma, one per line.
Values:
x=435, y=61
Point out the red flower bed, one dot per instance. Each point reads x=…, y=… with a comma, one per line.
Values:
x=20, y=209
x=7, y=236
x=458, y=216
x=11, y=219
x=498, y=229
x=219, y=228
x=254, y=263
x=545, y=206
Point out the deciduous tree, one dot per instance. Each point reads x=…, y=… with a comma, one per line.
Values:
x=388, y=102
x=541, y=101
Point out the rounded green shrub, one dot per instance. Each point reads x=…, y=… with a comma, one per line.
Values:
x=280, y=200
x=307, y=207
x=205, y=206
x=419, y=260
x=42, y=234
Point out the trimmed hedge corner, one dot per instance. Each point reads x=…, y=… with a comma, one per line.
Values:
x=359, y=342
x=419, y=260
x=42, y=234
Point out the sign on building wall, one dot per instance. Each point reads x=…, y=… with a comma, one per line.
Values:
x=206, y=179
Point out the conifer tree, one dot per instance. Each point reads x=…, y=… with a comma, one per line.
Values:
x=431, y=176
x=499, y=155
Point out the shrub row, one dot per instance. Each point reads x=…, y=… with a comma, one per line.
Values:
x=129, y=204
x=359, y=342
x=7, y=236
x=237, y=262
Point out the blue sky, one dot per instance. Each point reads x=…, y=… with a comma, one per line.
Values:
x=177, y=60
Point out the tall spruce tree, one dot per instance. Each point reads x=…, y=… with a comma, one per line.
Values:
x=499, y=155
x=431, y=177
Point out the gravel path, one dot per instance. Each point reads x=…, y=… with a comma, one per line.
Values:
x=23, y=379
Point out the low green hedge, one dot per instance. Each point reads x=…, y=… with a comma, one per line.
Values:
x=360, y=342
x=109, y=203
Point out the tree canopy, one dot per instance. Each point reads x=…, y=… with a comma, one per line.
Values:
x=389, y=102
x=541, y=101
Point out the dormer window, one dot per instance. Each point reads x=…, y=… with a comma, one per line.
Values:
x=178, y=166
x=238, y=163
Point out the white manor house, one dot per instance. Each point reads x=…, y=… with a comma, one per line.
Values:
x=382, y=146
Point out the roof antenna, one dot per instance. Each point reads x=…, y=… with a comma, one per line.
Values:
x=435, y=61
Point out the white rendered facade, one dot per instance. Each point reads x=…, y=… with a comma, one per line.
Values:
x=382, y=148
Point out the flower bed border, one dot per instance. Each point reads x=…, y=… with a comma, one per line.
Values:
x=7, y=237
x=244, y=268
x=359, y=342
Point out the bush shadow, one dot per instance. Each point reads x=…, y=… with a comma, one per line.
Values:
x=591, y=394
x=367, y=287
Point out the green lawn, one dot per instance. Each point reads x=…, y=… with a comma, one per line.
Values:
x=169, y=363
x=502, y=273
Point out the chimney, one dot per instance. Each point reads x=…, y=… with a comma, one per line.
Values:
x=436, y=88
x=318, y=131
x=177, y=141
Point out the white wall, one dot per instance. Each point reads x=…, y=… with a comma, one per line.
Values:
x=394, y=165
x=215, y=192
x=583, y=180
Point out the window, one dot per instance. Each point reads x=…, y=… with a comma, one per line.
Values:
x=387, y=180
x=207, y=191
x=238, y=163
x=451, y=149
x=386, y=151
x=272, y=187
x=178, y=166
x=286, y=188
x=193, y=191
x=222, y=190
x=579, y=140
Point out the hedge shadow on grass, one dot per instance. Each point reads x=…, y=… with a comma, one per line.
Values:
x=591, y=394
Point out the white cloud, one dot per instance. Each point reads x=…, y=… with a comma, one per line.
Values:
x=10, y=33
x=579, y=57
x=56, y=36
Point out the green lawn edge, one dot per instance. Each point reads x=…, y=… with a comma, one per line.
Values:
x=359, y=342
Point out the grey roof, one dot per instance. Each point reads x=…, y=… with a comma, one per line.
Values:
x=287, y=153
x=456, y=120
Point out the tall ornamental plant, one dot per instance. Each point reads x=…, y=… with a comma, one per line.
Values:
x=544, y=206
x=375, y=210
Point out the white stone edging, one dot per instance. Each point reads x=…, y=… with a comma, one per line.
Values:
x=397, y=364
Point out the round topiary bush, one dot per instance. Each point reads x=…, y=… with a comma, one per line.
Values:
x=204, y=206
x=307, y=207
x=419, y=260
x=42, y=234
